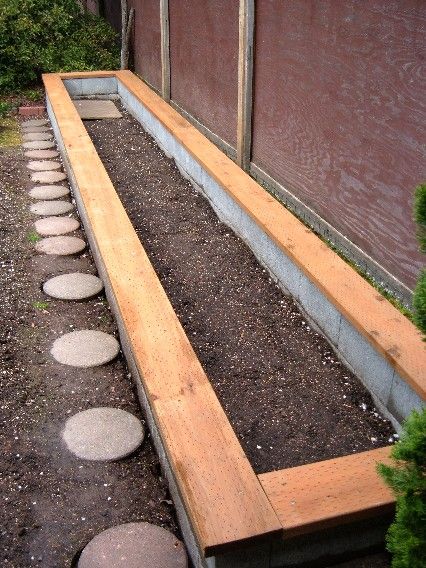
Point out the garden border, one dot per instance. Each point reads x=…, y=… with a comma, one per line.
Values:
x=297, y=259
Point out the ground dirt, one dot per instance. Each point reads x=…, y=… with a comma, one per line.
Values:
x=53, y=503
x=289, y=398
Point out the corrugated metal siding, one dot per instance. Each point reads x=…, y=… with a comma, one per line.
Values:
x=339, y=115
x=204, y=62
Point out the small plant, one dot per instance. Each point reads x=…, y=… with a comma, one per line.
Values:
x=33, y=94
x=33, y=237
x=40, y=305
x=406, y=537
x=419, y=303
x=419, y=298
x=420, y=214
x=5, y=108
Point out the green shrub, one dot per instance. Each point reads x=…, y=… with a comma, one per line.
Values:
x=419, y=302
x=39, y=36
x=419, y=297
x=406, y=538
x=420, y=214
x=5, y=108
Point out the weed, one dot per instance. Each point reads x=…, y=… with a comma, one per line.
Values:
x=33, y=237
x=5, y=108
x=9, y=133
x=39, y=305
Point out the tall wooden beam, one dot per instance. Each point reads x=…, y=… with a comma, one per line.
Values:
x=165, y=50
x=245, y=82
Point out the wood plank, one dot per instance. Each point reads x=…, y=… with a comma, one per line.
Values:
x=329, y=493
x=393, y=335
x=245, y=83
x=165, y=49
x=220, y=491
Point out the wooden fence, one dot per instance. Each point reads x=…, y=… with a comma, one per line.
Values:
x=322, y=101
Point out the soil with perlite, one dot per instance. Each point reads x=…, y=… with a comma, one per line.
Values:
x=288, y=397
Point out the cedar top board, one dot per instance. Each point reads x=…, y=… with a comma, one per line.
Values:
x=329, y=493
x=221, y=494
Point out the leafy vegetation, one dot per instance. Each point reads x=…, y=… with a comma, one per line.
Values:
x=39, y=36
x=419, y=298
x=406, y=538
x=420, y=214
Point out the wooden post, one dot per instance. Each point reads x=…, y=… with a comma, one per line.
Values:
x=245, y=83
x=126, y=27
x=165, y=50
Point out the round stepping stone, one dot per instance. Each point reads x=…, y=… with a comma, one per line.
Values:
x=35, y=122
x=74, y=286
x=51, y=207
x=48, y=192
x=48, y=177
x=38, y=145
x=60, y=245
x=134, y=545
x=41, y=154
x=103, y=434
x=56, y=225
x=32, y=129
x=85, y=348
x=43, y=165
x=37, y=136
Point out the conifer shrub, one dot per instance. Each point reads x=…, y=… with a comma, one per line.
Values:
x=38, y=36
x=419, y=298
x=406, y=538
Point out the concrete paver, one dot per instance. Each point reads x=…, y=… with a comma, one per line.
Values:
x=61, y=245
x=85, y=348
x=103, y=434
x=73, y=286
x=56, y=225
x=134, y=545
x=51, y=207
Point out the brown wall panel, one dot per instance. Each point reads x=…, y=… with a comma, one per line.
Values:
x=111, y=10
x=204, y=62
x=146, y=40
x=339, y=115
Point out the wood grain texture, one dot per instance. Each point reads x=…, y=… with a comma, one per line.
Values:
x=165, y=49
x=146, y=41
x=388, y=331
x=204, y=66
x=245, y=82
x=329, y=493
x=220, y=492
x=339, y=116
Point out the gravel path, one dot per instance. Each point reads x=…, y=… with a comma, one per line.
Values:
x=52, y=502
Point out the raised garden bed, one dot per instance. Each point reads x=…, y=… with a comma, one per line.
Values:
x=226, y=512
x=288, y=397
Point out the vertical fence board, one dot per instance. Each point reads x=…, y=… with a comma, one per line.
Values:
x=146, y=41
x=204, y=62
x=245, y=82
x=165, y=50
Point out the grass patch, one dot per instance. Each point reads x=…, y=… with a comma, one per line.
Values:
x=39, y=305
x=33, y=237
x=9, y=132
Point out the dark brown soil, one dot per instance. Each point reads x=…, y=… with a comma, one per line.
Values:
x=288, y=397
x=53, y=503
